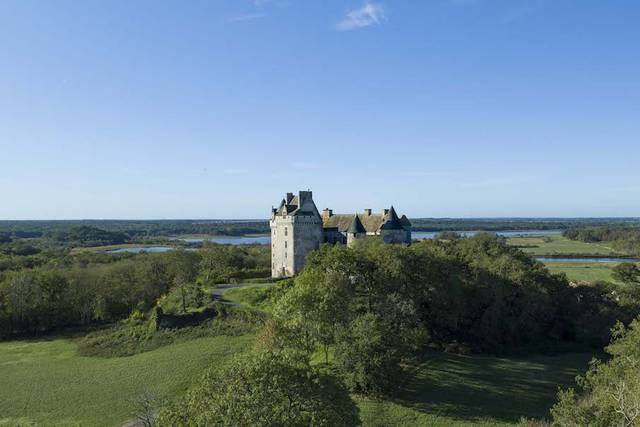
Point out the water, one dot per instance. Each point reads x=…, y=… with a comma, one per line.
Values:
x=514, y=233
x=134, y=250
x=232, y=240
x=266, y=238
x=603, y=260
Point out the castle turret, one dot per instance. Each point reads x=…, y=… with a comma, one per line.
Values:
x=296, y=230
x=355, y=231
x=392, y=229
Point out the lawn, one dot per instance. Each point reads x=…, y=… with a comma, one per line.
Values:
x=584, y=271
x=449, y=390
x=559, y=245
x=47, y=383
x=251, y=295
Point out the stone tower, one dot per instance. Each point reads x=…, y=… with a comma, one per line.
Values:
x=296, y=230
x=392, y=229
x=355, y=231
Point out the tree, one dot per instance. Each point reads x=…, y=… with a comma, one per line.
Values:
x=315, y=308
x=369, y=354
x=627, y=273
x=265, y=388
x=610, y=390
x=219, y=262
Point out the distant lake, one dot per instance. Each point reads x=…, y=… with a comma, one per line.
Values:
x=138, y=250
x=603, y=260
x=232, y=240
x=514, y=233
x=266, y=238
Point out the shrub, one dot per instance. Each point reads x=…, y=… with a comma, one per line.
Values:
x=610, y=390
x=266, y=388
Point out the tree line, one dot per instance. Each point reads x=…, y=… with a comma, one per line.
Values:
x=85, y=289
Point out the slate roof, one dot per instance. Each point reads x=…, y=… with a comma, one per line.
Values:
x=292, y=207
x=372, y=223
x=362, y=222
x=391, y=221
x=356, y=226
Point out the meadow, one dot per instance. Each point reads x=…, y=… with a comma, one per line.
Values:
x=45, y=381
x=456, y=390
x=559, y=245
x=584, y=271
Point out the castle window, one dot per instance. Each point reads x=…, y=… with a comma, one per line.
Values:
x=285, y=244
x=285, y=231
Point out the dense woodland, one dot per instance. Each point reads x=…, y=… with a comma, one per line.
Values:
x=63, y=290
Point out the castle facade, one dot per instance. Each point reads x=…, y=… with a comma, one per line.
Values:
x=297, y=228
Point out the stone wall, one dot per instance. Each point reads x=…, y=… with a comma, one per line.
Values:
x=307, y=236
x=282, y=246
x=396, y=236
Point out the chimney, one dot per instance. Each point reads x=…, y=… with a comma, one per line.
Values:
x=304, y=196
x=327, y=213
x=367, y=212
x=385, y=211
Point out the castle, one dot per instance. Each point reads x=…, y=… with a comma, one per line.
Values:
x=297, y=228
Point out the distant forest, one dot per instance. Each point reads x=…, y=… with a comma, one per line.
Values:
x=120, y=231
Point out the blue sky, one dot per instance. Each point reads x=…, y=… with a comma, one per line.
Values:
x=214, y=109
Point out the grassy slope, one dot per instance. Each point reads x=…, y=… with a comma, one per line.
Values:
x=476, y=390
x=558, y=245
x=47, y=382
x=252, y=295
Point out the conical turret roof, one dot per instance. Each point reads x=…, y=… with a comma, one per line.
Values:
x=356, y=226
x=391, y=221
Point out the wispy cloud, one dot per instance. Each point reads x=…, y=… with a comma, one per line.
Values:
x=246, y=17
x=367, y=15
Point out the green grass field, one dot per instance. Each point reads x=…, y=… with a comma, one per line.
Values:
x=252, y=295
x=583, y=271
x=47, y=383
x=454, y=390
x=559, y=245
